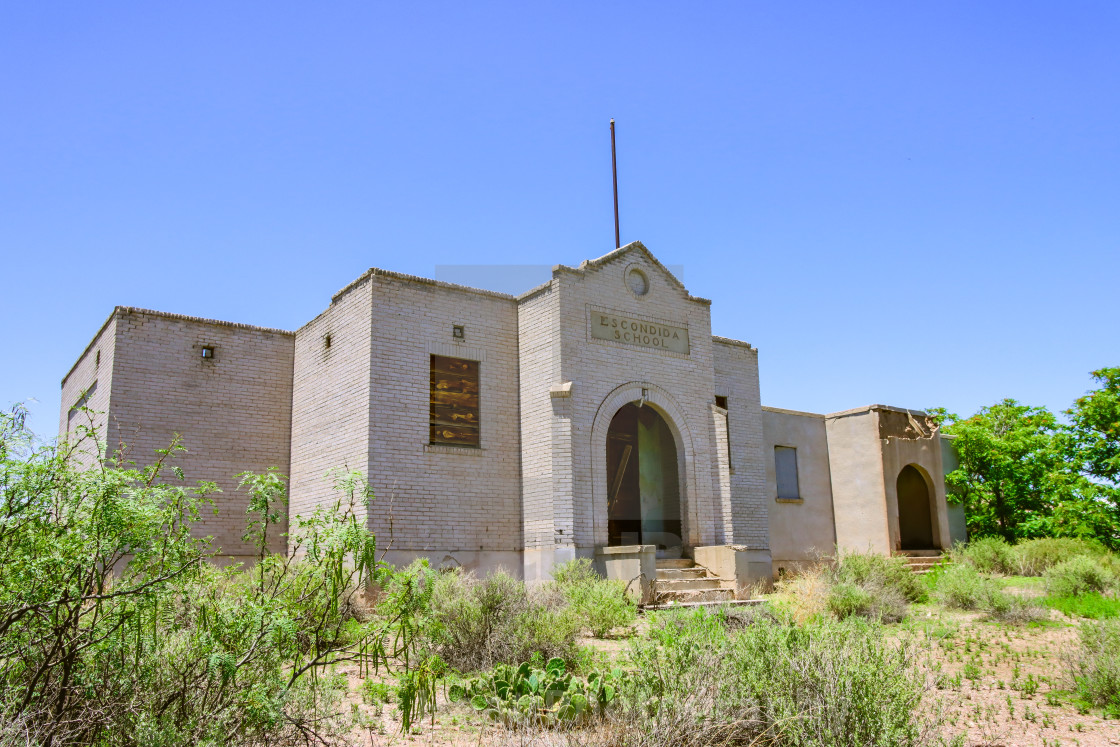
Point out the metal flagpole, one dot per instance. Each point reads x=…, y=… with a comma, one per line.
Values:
x=614, y=172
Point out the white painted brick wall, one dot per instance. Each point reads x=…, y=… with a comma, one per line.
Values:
x=736, y=373
x=362, y=404
x=233, y=411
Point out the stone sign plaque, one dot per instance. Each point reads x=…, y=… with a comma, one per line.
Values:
x=608, y=325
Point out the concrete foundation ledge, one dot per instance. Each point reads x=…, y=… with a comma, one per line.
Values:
x=745, y=566
x=635, y=565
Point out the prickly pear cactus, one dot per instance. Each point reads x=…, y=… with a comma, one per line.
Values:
x=546, y=697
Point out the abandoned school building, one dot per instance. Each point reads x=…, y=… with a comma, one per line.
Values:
x=593, y=416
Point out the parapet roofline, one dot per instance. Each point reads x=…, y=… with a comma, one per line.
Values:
x=592, y=264
x=371, y=272
x=733, y=342
x=869, y=408
x=799, y=413
x=104, y=324
x=846, y=413
x=123, y=310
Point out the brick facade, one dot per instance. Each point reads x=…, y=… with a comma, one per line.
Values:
x=232, y=410
x=350, y=391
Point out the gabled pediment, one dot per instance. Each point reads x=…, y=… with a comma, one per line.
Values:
x=636, y=251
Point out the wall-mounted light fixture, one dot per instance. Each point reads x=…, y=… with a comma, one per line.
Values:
x=457, y=332
x=207, y=351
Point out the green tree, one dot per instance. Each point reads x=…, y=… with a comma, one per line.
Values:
x=1010, y=466
x=1095, y=425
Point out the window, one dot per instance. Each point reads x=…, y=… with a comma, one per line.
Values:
x=785, y=467
x=721, y=401
x=453, y=416
x=83, y=400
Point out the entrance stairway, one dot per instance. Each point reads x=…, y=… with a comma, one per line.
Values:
x=921, y=561
x=681, y=582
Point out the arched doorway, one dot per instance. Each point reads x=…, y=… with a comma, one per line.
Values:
x=915, y=520
x=643, y=487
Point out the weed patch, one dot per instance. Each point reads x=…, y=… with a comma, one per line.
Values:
x=1093, y=605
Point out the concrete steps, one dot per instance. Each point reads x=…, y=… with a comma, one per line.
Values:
x=681, y=582
x=922, y=561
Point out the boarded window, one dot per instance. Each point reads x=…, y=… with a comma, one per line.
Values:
x=454, y=402
x=785, y=467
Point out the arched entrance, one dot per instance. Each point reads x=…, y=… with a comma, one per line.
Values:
x=915, y=519
x=643, y=487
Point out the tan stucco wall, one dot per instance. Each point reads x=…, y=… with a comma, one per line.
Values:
x=802, y=532
x=923, y=451
x=958, y=525
x=858, y=496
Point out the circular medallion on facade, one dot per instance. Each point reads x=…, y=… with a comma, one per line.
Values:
x=637, y=281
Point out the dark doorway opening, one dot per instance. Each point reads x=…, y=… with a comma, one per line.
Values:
x=643, y=488
x=915, y=519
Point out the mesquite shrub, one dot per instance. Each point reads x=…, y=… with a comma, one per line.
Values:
x=114, y=630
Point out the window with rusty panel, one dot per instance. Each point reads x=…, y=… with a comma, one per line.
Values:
x=453, y=417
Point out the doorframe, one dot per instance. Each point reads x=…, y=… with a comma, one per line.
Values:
x=931, y=501
x=654, y=396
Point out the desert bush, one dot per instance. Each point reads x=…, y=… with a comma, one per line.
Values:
x=478, y=623
x=803, y=596
x=1079, y=575
x=1012, y=609
x=871, y=570
x=1034, y=557
x=962, y=586
x=871, y=601
x=1095, y=664
x=848, y=600
x=986, y=554
x=693, y=682
x=574, y=573
x=875, y=587
x=601, y=605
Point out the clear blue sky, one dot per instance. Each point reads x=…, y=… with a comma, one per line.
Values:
x=909, y=203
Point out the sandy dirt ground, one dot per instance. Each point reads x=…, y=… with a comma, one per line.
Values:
x=997, y=685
